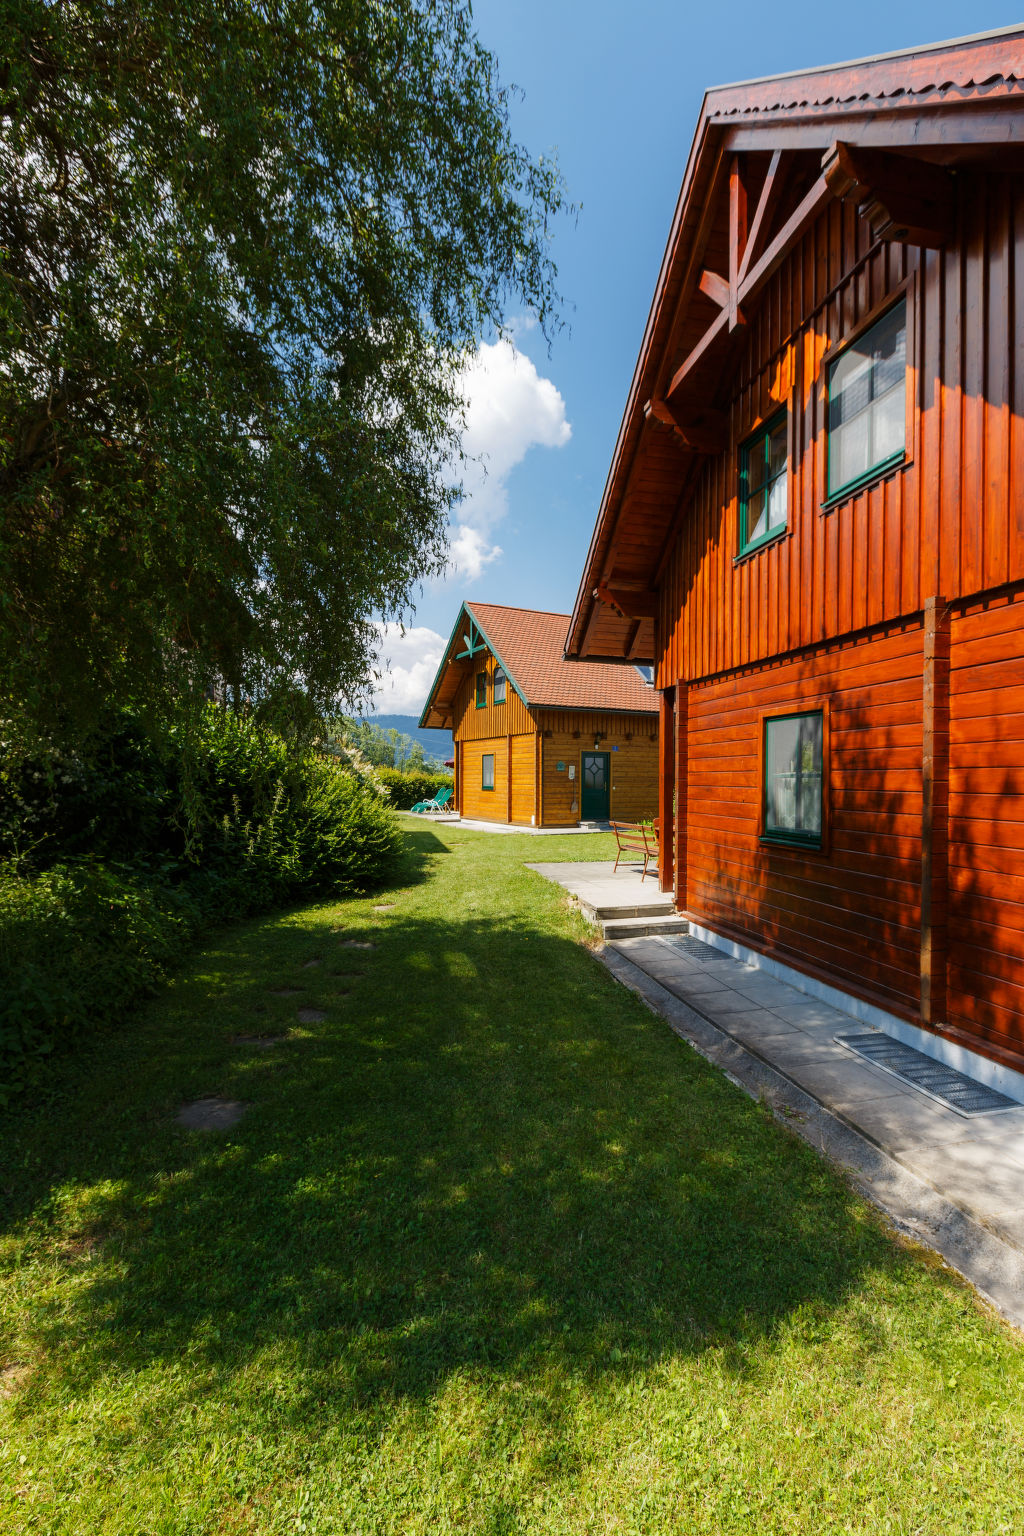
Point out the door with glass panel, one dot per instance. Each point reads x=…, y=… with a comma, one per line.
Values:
x=595, y=795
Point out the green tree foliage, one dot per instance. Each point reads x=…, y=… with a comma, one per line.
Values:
x=245, y=250
x=383, y=748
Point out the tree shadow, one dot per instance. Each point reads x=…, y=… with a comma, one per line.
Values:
x=496, y=1160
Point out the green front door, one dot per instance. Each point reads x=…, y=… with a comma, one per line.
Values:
x=595, y=801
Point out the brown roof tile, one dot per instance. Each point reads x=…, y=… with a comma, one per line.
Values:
x=530, y=645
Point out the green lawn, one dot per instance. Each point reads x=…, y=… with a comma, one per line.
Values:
x=491, y=1251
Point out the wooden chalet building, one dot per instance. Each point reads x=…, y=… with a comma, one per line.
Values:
x=539, y=740
x=813, y=527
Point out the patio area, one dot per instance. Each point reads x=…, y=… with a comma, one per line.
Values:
x=953, y=1180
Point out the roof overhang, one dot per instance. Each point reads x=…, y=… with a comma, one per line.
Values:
x=767, y=156
x=467, y=641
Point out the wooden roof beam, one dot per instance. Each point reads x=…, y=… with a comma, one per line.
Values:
x=758, y=224
x=901, y=198
x=737, y=237
x=701, y=429
x=628, y=603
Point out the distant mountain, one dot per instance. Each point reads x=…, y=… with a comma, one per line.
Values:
x=437, y=745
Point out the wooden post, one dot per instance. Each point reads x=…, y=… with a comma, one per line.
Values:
x=508, y=787
x=458, y=776
x=666, y=789
x=935, y=811
x=681, y=777
x=538, y=798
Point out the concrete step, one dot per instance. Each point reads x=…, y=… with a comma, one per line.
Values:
x=644, y=926
x=605, y=913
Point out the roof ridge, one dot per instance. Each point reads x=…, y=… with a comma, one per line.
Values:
x=549, y=613
x=874, y=58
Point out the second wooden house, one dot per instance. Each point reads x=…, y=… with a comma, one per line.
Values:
x=541, y=741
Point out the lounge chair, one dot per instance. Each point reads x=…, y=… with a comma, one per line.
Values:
x=437, y=806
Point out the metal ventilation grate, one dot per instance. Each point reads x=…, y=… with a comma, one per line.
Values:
x=944, y=1084
x=695, y=947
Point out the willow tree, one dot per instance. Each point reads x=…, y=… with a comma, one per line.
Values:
x=244, y=247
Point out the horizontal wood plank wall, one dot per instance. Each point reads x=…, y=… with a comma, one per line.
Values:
x=853, y=910
x=588, y=721
x=634, y=775
x=950, y=521
x=478, y=803
x=471, y=724
x=524, y=762
x=985, y=964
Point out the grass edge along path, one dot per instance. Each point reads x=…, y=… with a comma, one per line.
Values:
x=490, y=1251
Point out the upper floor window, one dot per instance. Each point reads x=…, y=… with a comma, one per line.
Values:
x=763, y=485
x=867, y=403
x=499, y=686
x=481, y=690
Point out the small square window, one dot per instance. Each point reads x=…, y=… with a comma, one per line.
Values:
x=481, y=690
x=763, y=485
x=487, y=771
x=499, y=686
x=794, y=778
x=867, y=403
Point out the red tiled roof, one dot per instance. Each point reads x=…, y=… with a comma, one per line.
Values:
x=530, y=646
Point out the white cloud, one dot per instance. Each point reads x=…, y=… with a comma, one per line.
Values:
x=408, y=662
x=510, y=409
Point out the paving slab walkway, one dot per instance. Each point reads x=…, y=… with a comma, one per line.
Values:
x=600, y=888
x=953, y=1182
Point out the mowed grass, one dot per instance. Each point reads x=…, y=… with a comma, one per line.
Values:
x=491, y=1251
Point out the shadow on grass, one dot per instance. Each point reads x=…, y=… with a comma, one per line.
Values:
x=488, y=1158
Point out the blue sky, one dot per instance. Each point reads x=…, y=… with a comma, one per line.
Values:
x=614, y=89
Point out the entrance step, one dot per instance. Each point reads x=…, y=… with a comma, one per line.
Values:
x=607, y=910
x=646, y=925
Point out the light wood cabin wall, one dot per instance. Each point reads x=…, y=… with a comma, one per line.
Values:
x=631, y=741
x=478, y=803
x=471, y=724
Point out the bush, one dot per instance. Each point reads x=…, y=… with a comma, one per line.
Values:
x=78, y=946
x=179, y=835
x=406, y=789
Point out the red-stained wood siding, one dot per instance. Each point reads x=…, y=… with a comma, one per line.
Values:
x=951, y=520
x=833, y=612
x=985, y=966
x=853, y=910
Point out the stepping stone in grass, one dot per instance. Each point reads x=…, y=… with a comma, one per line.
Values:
x=258, y=1042
x=388, y=907
x=11, y=1378
x=307, y=965
x=215, y=1114
x=286, y=992
x=311, y=1015
x=357, y=944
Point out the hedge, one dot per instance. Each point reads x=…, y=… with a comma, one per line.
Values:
x=406, y=789
x=123, y=872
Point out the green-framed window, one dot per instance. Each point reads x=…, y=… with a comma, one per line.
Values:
x=794, y=778
x=867, y=404
x=487, y=771
x=481, y=690
x=764, y=485
x=500, y=686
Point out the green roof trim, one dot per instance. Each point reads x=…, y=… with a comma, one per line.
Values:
x=448, y=658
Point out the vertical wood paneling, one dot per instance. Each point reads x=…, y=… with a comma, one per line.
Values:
x=951, y=519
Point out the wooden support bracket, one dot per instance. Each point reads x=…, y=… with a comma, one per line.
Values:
x=913, y=201
x=702, y=429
